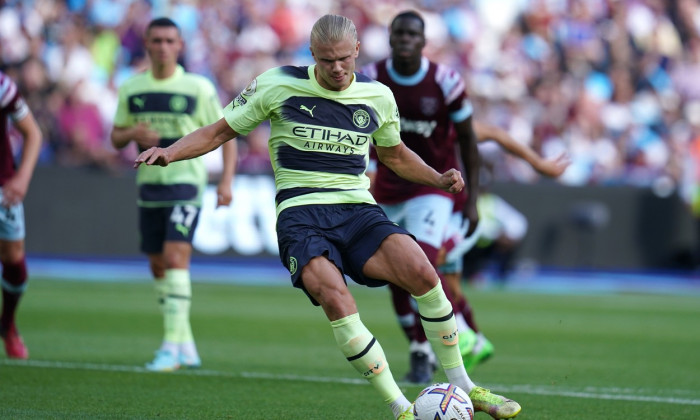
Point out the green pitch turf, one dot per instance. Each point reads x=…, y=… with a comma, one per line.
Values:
x=268, y=354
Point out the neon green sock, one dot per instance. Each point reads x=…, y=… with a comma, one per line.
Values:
x=441, y=329
x=161, y=289
x=440, y=326
x=366, y=355
x=177, y=303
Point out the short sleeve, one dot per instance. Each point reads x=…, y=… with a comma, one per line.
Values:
x=122, y=117
x=389, y=132
x=251, y=107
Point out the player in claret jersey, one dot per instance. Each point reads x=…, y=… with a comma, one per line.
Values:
x=14, y=182
x=436, y=123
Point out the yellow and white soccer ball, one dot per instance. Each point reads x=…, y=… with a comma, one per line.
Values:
x=443, y=401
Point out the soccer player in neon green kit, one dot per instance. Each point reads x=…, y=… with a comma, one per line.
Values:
x=155, y=109
x=323, y=118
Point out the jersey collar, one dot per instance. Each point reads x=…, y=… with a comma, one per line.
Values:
x=411, y=80
x=179, y=71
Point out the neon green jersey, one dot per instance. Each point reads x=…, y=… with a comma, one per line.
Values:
x=319, y=139
x=173, y=107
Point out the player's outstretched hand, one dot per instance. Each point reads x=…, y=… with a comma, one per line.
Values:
x=153, y=156
x=554, y=167
x=452, y=181
x=224, y=195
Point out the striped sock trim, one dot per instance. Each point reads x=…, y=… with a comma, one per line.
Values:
x=363, y=352
x=441, y=319
x=14, y=288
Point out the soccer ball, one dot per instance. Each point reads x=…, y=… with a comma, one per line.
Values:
x=443, y=401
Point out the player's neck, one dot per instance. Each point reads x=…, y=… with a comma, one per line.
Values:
x=406, y=67
x=163, y=71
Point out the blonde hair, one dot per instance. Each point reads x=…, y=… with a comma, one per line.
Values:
x=330, y=29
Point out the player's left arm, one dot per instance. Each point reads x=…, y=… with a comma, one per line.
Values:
x=469, y=155
x=15, y=189
x=548, y=167
x=408, y=165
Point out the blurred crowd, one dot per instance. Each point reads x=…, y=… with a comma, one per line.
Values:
x=614, y=83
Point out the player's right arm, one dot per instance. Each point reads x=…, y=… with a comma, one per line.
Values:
x=408, y=165
x=201, y=141
x=144, y=136
x=16, y=187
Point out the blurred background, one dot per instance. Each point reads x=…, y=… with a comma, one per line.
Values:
x=613, y=83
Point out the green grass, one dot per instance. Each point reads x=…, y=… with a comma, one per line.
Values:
x=269, y=354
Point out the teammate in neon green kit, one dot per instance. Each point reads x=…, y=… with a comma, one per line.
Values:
x=323, y=118
x=155, y=109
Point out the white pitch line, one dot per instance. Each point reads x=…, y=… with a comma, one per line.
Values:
x=616, y=394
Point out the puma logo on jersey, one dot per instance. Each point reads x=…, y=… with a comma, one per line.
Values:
x=139, y=101
x=310, y=111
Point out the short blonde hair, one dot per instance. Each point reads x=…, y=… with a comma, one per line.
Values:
x=330, y=29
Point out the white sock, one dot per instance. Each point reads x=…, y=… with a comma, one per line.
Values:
x=423, y=347
x=189, y=350
x=399, y=405
x=459, y=377
x=461, y=322
x=479, y=343
x=170, y=347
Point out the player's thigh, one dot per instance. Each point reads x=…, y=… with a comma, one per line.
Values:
x=323, y=281
x=401, y=261
x=11, y=221
x=427, y=218
x=11, y=251
x=12, y=232
x=302, y=237
x=169, y=223
x=152, y=226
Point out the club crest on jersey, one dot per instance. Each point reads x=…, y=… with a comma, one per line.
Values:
x=429, y=105
x=178, y=103
x=361, y=118
x=250, y=89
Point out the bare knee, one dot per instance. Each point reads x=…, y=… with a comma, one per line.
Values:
x=176, y=255
x=423, y=278
x=324, y=282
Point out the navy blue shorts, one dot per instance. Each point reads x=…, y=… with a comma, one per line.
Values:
x=347, y=234
x=160, y=224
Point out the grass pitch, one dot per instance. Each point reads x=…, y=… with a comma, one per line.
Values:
x=269, y=354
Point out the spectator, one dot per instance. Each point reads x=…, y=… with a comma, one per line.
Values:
x=529, y=64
